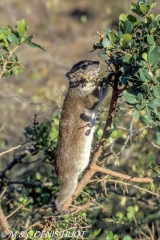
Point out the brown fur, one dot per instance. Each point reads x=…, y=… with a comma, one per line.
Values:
x=76, y=127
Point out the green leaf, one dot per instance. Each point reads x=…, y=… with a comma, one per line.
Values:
x=151, y=158
x=154, y=103
x=28, y=39
x=106, y=42
x=96, y=45
x=99, y=133
x=13, y=38
x=21, y=69
x=3, y=39
x=112, y=37
x=153, y=5
x=53, y=134
x=138, y=107
x=134, y=20
x=153, y=16
x=38, y=176
x=56, y=120
x=146, y=120
x=126, y=58
x=140, y=97
x=153, y=187
x=21, y=27
x=158, y=138
x=136, y=114
x=125, y=40
x=7, y=73
x=124, y=79
x=111, y=236
x=150, y=39
x=123, y=17
x=145, y=88
x=35, y=45
x=148, y=111
x=119, y=34
x=153, y=30
x=127, y=237
x=154, y=55
x=134, y=8
x=144, y=8
x=128, y=27
x=7, y=31
x=144, y=56
x=15, y=71
x=156, y=91
x=119, y=215
x=106, y=31
x=130, y=212
x=143, y=74
x=143, y=104
x=129, y=96
x=127, y=68
x=136, y=208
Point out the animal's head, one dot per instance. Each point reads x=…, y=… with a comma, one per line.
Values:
x=83, y=72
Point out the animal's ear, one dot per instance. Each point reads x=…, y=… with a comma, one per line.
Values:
x=70, y=75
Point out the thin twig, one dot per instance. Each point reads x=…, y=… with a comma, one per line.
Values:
x=127, y=184
x=153, y=144
x=10, y=150
x=126, y=53
x=2, y=127
x=5, y=63
x=15, y=211
x=129, y=136
x=1, y=195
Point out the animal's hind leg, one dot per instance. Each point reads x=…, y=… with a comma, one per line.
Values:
x=68, y=186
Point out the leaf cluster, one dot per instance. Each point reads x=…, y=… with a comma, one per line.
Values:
x=135, y=47
x=43, y=136
x=10, y=39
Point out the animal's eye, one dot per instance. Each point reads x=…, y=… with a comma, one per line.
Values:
x=84, y=67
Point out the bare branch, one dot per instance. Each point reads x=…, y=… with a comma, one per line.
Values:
x=2, y=127
x=15, y=161
x=10, y=150
x=3, y=220
x=127, y=184
x=153, y=144
x=3, y=192
x=123, y=176
x=15, y=211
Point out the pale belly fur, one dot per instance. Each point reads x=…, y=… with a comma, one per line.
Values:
x=85, y=151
